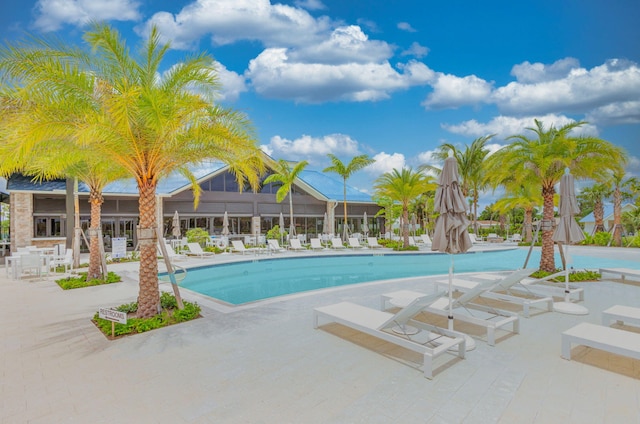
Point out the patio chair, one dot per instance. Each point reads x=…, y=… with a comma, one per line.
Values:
x=465, y=310
x=354, y=243
x=295, y=244
x=238, y=247
x=475, y=239
x=515, y=238
x=196, y=250
x=336, y=243
x=171, y=252
x=274, y=246
x=65, y=261
x=430, y=341
x=30, y=264
x=426, y=240
x=372, y=242
x=316, y=244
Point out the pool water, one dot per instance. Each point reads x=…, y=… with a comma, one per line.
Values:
x=243, y=282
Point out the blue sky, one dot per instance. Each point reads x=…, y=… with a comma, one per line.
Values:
x=392, y=79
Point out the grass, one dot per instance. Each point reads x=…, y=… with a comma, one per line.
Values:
x=574, y=276
x=169, y=315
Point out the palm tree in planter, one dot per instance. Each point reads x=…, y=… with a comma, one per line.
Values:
x=150, y=123
x=345, y=171
x=286, y=175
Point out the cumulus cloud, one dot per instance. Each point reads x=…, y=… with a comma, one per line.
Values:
x=231, y=83
x=527, y=73
x=616, y=113
x=579, y=91
x=416, y=50
x=231, y=20
x=310, y=4
x=450, y=91
x=405, y=26
x=385, y=162
x=51, y=15
x=313, y=149
x=505, y=126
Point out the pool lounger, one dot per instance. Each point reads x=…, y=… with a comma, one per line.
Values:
x=431, y=342
x=622, y=272
x=620, y=342
x=621, y=314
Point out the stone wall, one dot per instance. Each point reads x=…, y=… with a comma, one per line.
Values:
x=21, y=226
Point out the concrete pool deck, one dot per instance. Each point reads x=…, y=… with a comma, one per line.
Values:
x=264, y=363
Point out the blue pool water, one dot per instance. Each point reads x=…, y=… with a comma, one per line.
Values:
x=244, y=282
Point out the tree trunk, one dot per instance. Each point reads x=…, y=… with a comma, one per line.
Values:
x=617, y=217
x=345, y=228
x=95, y=261
x=149, y=294
x=528, y=225
x=547, y=261
x=292, y=224
x=598, y=215
x=405, y=227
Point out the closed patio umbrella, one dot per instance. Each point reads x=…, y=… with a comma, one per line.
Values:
x=175, y=224
x=365, y=225
x=225, y=224
x=450, y=235
x=325, y=225
x=567, y=232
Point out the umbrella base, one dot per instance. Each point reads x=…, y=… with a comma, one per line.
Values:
x=570, y=308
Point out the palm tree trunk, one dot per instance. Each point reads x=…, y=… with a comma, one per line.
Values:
x=617, y=217
x=598, y=215
x=528, y=225
x=149, y=294
x=292, y=225
x=95, y=261
x=405, y=226
x=547, y=261
x=345, y=229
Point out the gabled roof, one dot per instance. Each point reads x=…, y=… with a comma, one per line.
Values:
x=318, y=184
x=608, y=212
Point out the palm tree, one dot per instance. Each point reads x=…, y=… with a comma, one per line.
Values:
x=470, y=168
x=286, y=175
x=403, y=186
x=149, y=123
x=345, y=171
x=622, y=189
x=521, y=196
x=594, y=195
x=543, y=159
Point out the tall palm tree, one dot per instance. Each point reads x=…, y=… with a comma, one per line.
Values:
x=470, y=168
x=345, y=171
x=403, y=186
x=622, y=189
x=543, y=158
x=149, y=123
x=286, y=175
x=595, y=195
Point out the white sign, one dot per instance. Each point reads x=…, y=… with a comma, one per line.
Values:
x=119, y=247
x=113, y=315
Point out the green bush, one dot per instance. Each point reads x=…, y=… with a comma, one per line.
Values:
x=274, y=233
x=601, y=238
x=169, y=315
x=80, y=281
x=574, y=276
x=198, y=235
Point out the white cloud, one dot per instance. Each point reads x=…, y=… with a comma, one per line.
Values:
x=579, y=91
x=310, y=4
x=538, y=72
x=616, y=113
x=450, y=91
x=505, y=126
x=50, y=15
x=232, y=20
x=416, y=50
x=231, y=83
x=405, y=26
x=313, y=149
x=385, y=162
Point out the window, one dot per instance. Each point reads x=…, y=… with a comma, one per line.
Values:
x=46, y=226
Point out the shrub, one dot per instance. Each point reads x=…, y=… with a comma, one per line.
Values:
x=198, y=235
x=574, y=275
x=274, y=233
x=601, y=238
x=80, y=281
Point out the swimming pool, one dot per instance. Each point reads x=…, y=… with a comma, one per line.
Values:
x=244, y=282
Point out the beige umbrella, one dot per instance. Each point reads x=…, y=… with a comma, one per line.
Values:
x=450, y=235
x=175, y=224
x=567, y=232
x=325, y=225
x=225, y=224
x=365, y=225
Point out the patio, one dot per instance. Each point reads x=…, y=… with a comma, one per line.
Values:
x=265, y=363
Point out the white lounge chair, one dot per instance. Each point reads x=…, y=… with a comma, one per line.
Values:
x=503, y=290
x=622, y=272
x=621, y=314
x=336, y=243
x=372, y=242
x=316, y=244
x=294, y=244
x=515, y=238
x=475, y=239
x=426, y=240
x=466, y=311
x=171, y=252
x=274, y=246
x=620, y=342
x=354, y=243
x=430, y=341
x=412, y=241
x=238, y=247
x=544, y=287
x=196, y=250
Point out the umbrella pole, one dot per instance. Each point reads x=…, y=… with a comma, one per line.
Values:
x=566, y=306
x=450, y=291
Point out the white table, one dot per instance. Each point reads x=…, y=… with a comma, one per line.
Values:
x=13, y=262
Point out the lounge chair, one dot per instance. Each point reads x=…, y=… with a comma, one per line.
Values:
x=238, y=247
x=620, y=342
x=622, y=272
x=426, y=240
x=336, y=243
x=316, y=244
x=171, y=252
x=412, y=241
x=430, y=341
x=372, y=242
x=515, y=238
x=475, y=239
x=294, y=244
x=494, y=238
x=196, y=250
x=274, y=246
x=544, y=287
x=627, y=315
x=354, y=243
x=465, y=310
x=503, y=290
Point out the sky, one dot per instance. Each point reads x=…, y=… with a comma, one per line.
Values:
x=391, y=79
